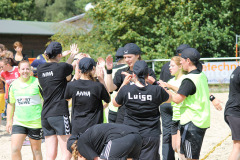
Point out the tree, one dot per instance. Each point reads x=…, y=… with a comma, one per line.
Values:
x=17, y=9
x=159, y=26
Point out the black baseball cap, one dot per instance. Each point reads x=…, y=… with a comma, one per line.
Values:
x=131, y=48
x=194, y=56
x=53, y=49
x=181, y=48
x=119, y=53
x=191, y=53
x=86, y=64
x=140, y=68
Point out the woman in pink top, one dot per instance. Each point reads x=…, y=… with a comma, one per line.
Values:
x=9, y=74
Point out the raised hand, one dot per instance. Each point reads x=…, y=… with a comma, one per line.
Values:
x=100, y=72
x=127, y=79
x=74, y=49
x=101, y=62
x=150, y=80
x=109, y=62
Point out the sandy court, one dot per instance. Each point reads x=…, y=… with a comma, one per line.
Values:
x=215, y=134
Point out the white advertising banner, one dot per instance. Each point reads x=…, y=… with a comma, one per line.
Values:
x=219, y=72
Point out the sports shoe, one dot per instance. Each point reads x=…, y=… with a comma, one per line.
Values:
x=26, y=143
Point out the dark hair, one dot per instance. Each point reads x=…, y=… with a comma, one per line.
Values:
x=9, y=61
x=51, y=56
x=139, y=58
x=89, y=75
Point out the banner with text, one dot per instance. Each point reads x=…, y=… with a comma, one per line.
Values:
x=219, y=72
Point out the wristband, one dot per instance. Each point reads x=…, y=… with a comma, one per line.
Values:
x=211, y=98
x=166, y=88
x=155, y=83
x=109, y=71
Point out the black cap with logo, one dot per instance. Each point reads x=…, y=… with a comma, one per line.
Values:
x=131, y=48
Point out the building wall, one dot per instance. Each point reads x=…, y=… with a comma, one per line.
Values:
x=33, y=45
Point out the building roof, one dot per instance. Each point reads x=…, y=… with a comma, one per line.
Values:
x=73, y=19
x=27, y=27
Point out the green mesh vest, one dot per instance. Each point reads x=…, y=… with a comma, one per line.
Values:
x=176, y=107
x=26, y=96
x=196, y=108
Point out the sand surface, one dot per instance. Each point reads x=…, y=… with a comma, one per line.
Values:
x=214, y=135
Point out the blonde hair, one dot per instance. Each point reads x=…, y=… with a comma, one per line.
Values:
x=24, y=61
x=8, y=54
x=177, y=60
x=74, y=151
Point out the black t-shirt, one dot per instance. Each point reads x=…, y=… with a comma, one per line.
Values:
x=187, y=86
x=52, y=79
x=25, y=57
x=233, y=104
x=118, y=80
x=91, y=143
x=142, y=107
x=87, y=109
x=165, y=74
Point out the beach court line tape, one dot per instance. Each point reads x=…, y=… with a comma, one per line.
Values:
x=213, y=149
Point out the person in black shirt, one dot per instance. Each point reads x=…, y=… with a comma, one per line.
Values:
x=87, y=96
x=112, y=116
x=232, y=112
x=52, y=78
x=166, y=112
x=142, y=102
x=132, y=53
x=19, y=56
x=106, y=141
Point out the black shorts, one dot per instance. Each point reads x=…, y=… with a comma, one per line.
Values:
x=234, y=124
x=191, y=140
x=112, y=116
x=120, y=114
x=59, y=125
x=125, y=147
x=33, y=133
x=175, y=127
x=150, y=148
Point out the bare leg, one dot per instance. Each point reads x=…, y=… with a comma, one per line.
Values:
x=51, y=146
x=66, y=155
x=36, y=148
x=16, y=145
x=235, y=154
